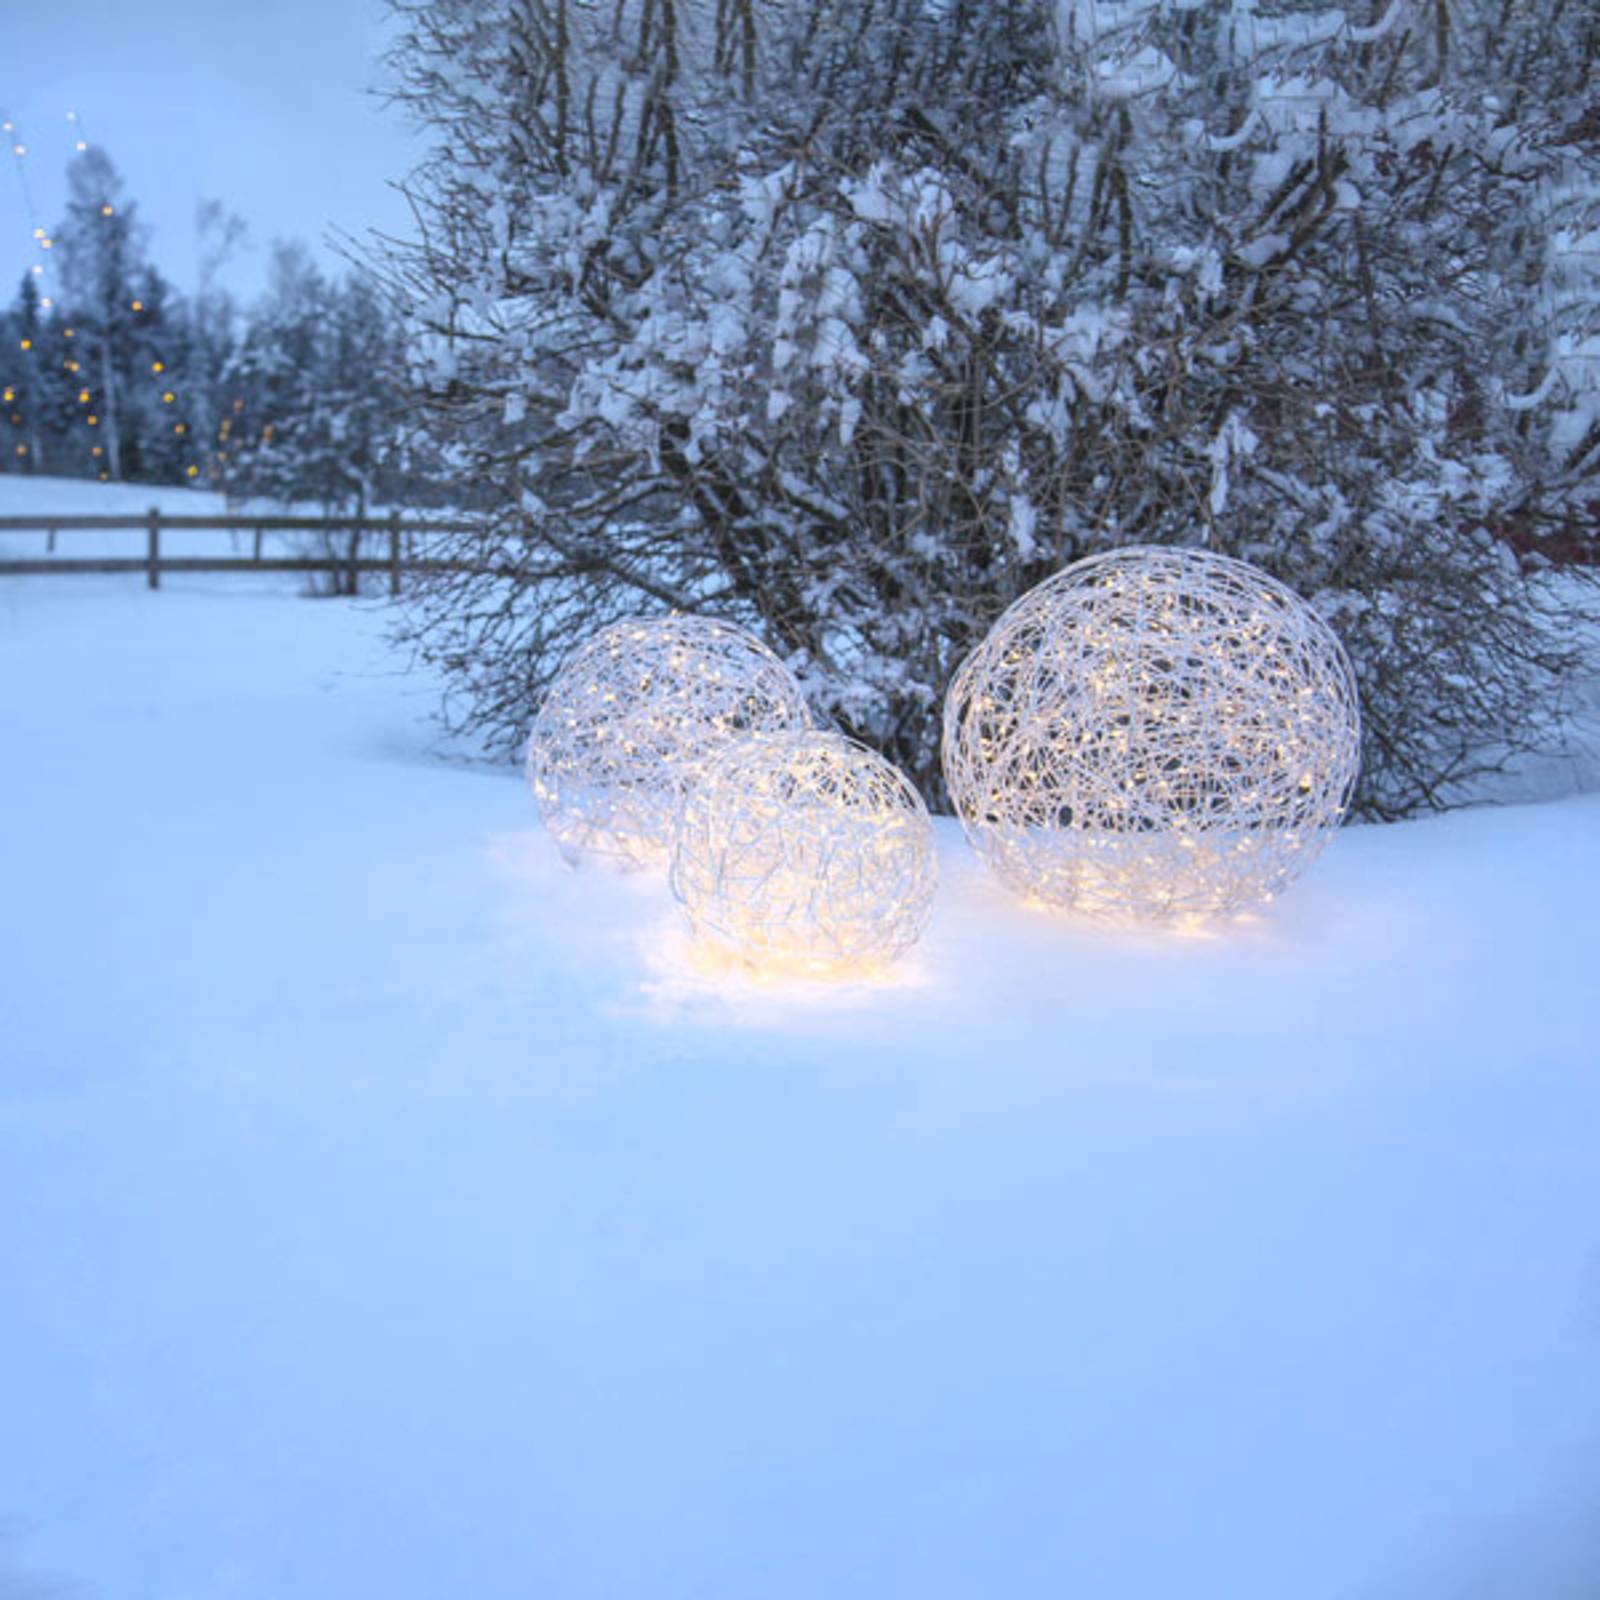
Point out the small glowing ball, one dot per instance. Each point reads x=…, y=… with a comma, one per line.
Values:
x=632, y=719
x=1153, y=733
x=805, y=852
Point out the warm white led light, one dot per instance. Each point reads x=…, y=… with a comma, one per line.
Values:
x=805, y=852
x=1154, y=733
x=632, y=719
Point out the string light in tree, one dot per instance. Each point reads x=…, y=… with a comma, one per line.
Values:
x=41, y=239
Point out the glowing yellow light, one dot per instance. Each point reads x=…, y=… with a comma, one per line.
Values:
x=191, y=471
x=71, y=366
x=38, y=233
x=631, y=720
x=27, y=344
x=1116, y=744
x=9, y=395
x=47, y=302
x=168, y=398
x=180, y=427
x=45, y=244
x=266, y=434
x=158, y=366
x=66, y=333
x=104, y=477
x=83, y=397
x=93, y=421
x=805, y=852
x=97, y=451
x=22, y=449
x=83, y=144
x=138, y=305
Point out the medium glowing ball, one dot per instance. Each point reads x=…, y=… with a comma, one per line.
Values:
x=1153, y=733
x=632, y=719
x=805, y=852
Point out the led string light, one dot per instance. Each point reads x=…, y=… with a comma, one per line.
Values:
x=805, y=852
x=633, y=718
x=1153, y=733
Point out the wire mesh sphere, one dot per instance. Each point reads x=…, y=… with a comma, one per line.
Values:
x=1153, y=733
x=807, y=852
x=632, y=719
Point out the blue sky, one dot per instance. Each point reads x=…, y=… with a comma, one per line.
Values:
x=264, y=106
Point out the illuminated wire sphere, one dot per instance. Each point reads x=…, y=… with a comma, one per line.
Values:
x=1153, y=733
x=805, y=852
x=632, y=718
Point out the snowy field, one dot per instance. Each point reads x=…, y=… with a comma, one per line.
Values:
x=386, y=1211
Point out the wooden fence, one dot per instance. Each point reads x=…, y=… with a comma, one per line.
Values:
x=392, y=535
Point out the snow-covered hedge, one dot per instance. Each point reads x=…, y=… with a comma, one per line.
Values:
x=853, y=321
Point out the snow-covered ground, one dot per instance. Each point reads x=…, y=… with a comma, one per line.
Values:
x=387, y=1211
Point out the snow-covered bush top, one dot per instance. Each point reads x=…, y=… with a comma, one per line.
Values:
x=853, y=322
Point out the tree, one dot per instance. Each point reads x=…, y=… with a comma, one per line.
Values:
x=853, y=322
x=211, y=328
x=40, y=384
x=23, y=401
x=312, y=415
x=100, y=254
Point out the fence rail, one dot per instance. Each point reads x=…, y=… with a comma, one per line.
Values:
x=395, y=531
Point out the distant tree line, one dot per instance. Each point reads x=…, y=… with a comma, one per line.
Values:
x=107, y=371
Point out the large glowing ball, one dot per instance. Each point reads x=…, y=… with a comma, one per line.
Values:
x=805, y=852
x=632, y=719
x=1153, y=733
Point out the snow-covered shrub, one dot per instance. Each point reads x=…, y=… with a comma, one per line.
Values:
x=853, y=321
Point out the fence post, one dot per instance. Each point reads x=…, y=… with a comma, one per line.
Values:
x=394, y=553
x=153, y=555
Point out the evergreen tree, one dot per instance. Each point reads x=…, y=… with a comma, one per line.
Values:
x=22, y=401
x=99, y=252
x=269, y=434
x=39, y=384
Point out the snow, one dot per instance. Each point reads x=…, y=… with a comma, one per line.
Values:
x=387, y=1210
